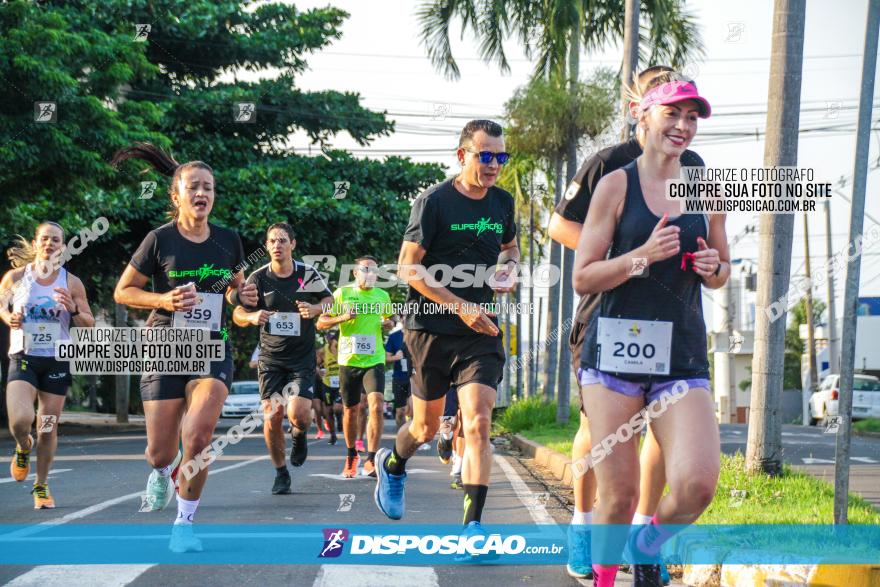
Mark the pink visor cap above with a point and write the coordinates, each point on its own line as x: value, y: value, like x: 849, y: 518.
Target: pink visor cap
x: 675, y: 91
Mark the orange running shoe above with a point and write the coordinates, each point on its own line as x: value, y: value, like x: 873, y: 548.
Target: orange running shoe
x: 21, y: 462
x: 351, y: 467
x: 369, y: 469
x: 42, y: 497
x: 320, y: 433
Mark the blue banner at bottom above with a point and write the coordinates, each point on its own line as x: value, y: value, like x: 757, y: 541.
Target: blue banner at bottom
x: 408, y: 544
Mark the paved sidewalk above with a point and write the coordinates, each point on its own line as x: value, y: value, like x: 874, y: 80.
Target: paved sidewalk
x: 864, y: 480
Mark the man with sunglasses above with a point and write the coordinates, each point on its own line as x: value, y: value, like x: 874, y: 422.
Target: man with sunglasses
x: 360, y: 309
x: 450, y: 331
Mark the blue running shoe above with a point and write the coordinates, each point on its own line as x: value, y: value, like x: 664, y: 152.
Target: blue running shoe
x: 579, y: 565
x: 389, y: 488
x: 475, y: 529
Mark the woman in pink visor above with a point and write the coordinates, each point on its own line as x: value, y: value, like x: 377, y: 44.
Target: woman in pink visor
x: 644, y: 357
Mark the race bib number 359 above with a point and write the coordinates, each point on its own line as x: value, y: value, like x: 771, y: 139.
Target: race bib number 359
x: 205, y: 314
x: 634, y: 346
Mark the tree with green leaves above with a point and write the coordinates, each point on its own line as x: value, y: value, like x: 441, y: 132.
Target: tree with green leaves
x: 168, y: 72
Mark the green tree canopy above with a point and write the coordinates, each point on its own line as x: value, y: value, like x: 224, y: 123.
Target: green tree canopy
x: 178, y: 88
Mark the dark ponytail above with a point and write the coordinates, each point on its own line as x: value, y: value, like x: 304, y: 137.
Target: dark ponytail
x: 161, y: 162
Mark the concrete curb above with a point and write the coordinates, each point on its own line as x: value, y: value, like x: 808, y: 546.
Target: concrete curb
x: 866, y: 434
x: 558, y: 463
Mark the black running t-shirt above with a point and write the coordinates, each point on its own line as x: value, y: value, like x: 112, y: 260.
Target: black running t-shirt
x: 457, y: 232
x: 280, y: 294
x: 172, y: 261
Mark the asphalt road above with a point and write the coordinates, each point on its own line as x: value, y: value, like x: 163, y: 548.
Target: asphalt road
x: 98, y: 479
x: 805, y: 445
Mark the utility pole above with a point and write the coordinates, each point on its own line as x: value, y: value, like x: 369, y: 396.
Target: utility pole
x: 833, y: 342
x: 853, y: 268
x: 550, y: 363
x: 122, y: 382
x: 725, y: 385
x: 811, y: 333
x: 630, y: 63
x: 530, y: 385
x: 764, y: 448
x: 537, y: 357
x: 563, y: 368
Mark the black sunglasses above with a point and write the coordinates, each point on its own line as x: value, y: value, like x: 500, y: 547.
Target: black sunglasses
x: 487, y: 156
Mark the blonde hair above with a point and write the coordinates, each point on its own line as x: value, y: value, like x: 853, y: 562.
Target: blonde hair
x: 650, y: 79
x: 23, y: 252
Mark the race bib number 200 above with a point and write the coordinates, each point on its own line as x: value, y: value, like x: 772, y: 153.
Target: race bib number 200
x: 634, y: 346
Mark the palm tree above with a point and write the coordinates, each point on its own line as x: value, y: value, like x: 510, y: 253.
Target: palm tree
x: 552, y: 33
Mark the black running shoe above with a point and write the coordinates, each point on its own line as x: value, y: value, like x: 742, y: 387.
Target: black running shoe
x: 282, y: 484
x: 646, y: 576
x: 332, y: 440
x: 300, y: 450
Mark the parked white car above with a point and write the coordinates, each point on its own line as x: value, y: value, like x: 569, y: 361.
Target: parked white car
x: 866, y: 398
x: 243, y: 399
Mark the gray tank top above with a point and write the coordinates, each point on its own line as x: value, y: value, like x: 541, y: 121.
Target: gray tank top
x: 669, y: 293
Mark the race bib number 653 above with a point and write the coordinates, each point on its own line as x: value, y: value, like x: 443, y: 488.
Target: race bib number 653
x: 634, y: 346
x: 284, y: 324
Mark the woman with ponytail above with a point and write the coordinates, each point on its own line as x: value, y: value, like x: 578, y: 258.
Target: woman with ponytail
x: 45, y: 301
x: 190, y: 260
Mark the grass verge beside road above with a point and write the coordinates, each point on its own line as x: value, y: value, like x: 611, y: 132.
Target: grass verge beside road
x: 869, y: 425
x: 791, y: 498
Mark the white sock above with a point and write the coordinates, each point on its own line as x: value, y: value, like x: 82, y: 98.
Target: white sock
x: 456, y: 464
x: 641, y: 519
x: 583, y: 518
x: 186, y: 510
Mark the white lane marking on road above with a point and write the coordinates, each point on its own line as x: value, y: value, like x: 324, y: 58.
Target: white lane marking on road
x: 33, y: 475
x: 535, y: 508
x: 868, y: 460
x: 109, y: 503
x: 104, y: 505
x: 92, y: 575
x: 375, y: 576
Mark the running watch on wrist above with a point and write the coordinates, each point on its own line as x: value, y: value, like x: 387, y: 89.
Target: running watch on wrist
x: 75, y: 311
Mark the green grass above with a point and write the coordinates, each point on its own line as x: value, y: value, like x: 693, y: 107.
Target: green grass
x: 869, y: 425
x: 536, y: 420
x: 792, y: 498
